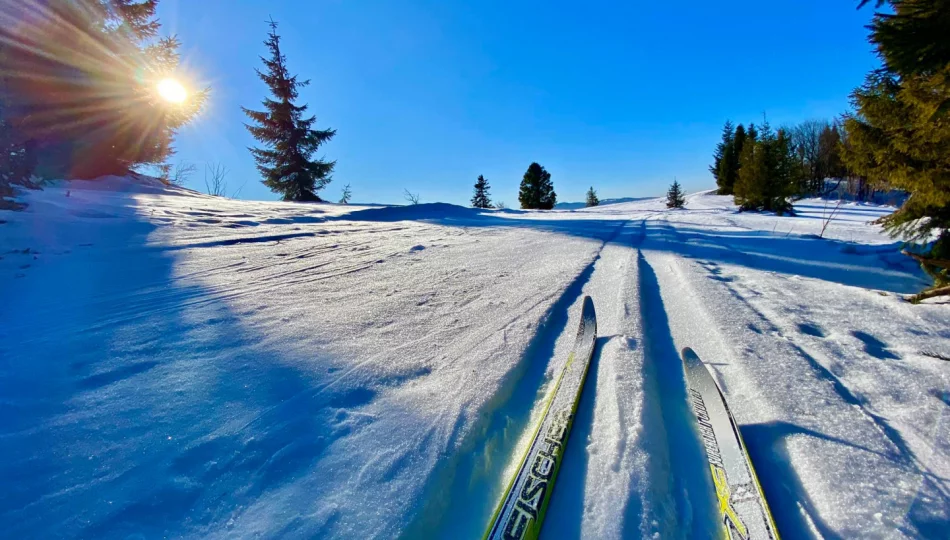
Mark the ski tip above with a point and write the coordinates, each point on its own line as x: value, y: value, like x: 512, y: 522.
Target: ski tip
x: 690, y: 356
x: 588, y: 313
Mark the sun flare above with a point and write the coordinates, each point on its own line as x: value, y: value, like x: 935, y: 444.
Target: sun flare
x: 172, y: 91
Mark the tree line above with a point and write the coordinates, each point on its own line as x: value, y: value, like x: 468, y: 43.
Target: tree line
x: 896, y: 137
x: 762, y: 168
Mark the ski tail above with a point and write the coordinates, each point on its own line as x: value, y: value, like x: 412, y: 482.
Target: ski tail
x: 521, y: 511
x: 743, y: 511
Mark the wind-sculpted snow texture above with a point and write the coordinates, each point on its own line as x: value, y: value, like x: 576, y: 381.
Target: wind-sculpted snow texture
x: 177, y: 365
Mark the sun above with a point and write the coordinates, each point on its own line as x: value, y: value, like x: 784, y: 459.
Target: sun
x: 172, y: 91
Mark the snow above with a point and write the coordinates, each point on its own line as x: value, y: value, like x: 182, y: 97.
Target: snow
x: 178, y: 365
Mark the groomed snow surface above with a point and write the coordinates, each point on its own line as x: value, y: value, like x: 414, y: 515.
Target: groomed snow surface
x: 177, y: 365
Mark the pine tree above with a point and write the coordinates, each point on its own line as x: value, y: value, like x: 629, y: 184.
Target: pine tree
x: 899, y: 135
x: 720, y: 166
x: 592, y: 199
x: 347, y: 194
x: 481, y: 198
x: 82, y: 79
x: 290, y: 141
x: 537, y: 190
x: 675, y: 197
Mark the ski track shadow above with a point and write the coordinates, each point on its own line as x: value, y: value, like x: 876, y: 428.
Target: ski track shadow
x: 789, y: 500
x: 565, y: 514
x: 787, y: 497
x: 460, y: 498
x: 665, y: 410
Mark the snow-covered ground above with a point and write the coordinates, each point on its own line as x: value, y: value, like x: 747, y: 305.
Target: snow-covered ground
x: 177, y: 365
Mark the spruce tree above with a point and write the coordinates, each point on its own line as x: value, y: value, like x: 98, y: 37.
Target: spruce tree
x: 783, y: 175
x: 592, y: 199
x: 767, y: 172
x: 732, y: 160
x: 675, y: 197
x: 899, y: 135
x: 749, y: 192
x: 481, y: 199
x: 537, y: 190
x: 346, y: 195
x: 720, y: 166
x: 82, y: 80
x: 290, y: 141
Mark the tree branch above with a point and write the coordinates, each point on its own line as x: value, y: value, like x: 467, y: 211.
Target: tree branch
x: 925, y: 260
x: 930, y: 293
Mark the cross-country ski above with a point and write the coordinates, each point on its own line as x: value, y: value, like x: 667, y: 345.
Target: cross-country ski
x: 521, y: 511
x: 741, y: 506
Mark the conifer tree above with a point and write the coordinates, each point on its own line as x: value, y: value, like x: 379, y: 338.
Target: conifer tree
x: 537, y: 190
x: 675, y: 197
x: 720, y: 166
x: 829, y: 152
x: 749, y: 190
x: 347, y: 195
x: 732, y: 161
x: 899, y: 135
x: 17, y: 156
x: 289, y: 138
x: 592, y: 199
x: 481, y: 199
x: 783, y: 175
x: 767, y: 171
x: 751, y: 133
x: 82, y: 85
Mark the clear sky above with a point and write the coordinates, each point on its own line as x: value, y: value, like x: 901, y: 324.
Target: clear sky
x: 428, y: 94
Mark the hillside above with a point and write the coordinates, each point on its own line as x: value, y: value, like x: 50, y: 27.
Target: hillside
x: 178, y: 365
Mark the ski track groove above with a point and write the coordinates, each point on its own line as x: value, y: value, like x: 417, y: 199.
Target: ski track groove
x: 676, y: 458
x: 537, y: 369
x: 899, y: 454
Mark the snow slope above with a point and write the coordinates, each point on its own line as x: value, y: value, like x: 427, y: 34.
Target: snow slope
x: 177, y: 365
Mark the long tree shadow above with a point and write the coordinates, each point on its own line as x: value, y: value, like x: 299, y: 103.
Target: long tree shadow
x: 787, y: 497
x: 792, y: 254
x: 129, y: 408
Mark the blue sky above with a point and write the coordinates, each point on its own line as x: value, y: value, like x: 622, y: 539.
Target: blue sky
x: 427, y: 95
